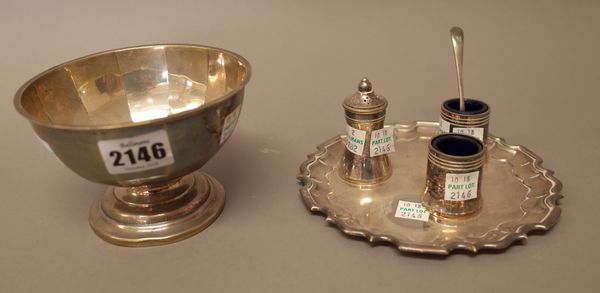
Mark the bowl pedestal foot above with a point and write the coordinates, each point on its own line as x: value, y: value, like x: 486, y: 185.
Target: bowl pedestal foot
x: 157, y: 214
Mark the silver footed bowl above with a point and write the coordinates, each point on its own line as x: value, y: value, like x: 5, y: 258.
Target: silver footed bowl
x: 142, y: 120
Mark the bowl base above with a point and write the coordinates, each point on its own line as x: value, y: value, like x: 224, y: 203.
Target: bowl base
x: 157, y: 214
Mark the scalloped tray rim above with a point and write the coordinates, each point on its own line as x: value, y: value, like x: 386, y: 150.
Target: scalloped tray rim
x: 551, y: 200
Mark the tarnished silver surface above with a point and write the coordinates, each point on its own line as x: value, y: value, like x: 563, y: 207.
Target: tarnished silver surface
x: 365, y: 110
x: 474, y: 121
x: 143, y: 120
x: 467, y: 156
x: 520, y: 196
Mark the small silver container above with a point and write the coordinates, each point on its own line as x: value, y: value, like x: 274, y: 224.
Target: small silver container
x: 454, y: 173
x: 474, y: 121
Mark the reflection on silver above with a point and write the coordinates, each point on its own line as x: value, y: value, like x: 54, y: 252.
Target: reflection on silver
x: 217, y: 76
x: 458, y: 38
x: 79, y: 105
x: 520, y: 196
x: 150, y: 94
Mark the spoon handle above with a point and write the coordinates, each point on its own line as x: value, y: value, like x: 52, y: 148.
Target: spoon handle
x: 457, y: 44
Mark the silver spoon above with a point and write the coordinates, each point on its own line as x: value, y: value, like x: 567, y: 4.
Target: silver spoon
x: 457, y: 44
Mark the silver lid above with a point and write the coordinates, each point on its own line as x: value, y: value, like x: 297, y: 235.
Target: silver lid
x: 365, y: 101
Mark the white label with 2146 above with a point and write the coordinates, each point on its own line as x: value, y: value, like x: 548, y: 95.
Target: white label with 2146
x: 138, y: 153
x: 382, y: 142
x: 412, y: 211
x: 461, y: 187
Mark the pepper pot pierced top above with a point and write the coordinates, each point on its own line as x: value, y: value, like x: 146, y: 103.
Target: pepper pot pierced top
x: 365, y: 159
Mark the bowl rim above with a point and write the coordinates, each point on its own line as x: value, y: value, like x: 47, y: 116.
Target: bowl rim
x: 34, y: 120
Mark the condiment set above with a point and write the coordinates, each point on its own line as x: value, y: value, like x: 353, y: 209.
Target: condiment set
x: 144, y: 119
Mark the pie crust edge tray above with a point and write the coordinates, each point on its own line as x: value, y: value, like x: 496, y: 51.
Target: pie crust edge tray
x: 499, y: 236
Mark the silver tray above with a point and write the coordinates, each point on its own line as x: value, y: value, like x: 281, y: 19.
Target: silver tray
x: 519, y: 196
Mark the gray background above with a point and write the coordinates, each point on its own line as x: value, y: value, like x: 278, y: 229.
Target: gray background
x: 535, y: 62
